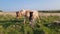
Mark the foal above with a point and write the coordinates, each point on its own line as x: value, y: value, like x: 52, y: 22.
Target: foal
x: 31, y: 15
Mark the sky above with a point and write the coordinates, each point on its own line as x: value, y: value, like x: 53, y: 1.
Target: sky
x: 15, y: 5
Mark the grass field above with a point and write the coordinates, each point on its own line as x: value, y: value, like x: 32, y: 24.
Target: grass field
x: 44, y: 25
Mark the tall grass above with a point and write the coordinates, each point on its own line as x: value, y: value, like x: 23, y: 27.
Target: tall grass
x: 44, y: 25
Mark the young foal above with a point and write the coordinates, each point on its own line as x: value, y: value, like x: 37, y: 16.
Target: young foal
x: 31, y: 15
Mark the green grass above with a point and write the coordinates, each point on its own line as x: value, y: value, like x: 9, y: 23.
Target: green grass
x: 44, y: 25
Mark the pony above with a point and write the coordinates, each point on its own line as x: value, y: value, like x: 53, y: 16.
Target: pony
x: 32, y: 15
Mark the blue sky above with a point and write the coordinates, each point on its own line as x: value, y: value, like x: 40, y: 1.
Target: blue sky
x: 14, y: 5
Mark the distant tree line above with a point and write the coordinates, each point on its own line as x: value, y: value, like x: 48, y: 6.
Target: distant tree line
x: 57, y: 11
x: 1, y: 11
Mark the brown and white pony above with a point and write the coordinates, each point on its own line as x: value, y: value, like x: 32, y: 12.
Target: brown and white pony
x: 32, y: 15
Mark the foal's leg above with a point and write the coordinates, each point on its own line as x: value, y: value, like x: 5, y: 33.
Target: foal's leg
x: 32, y: 23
